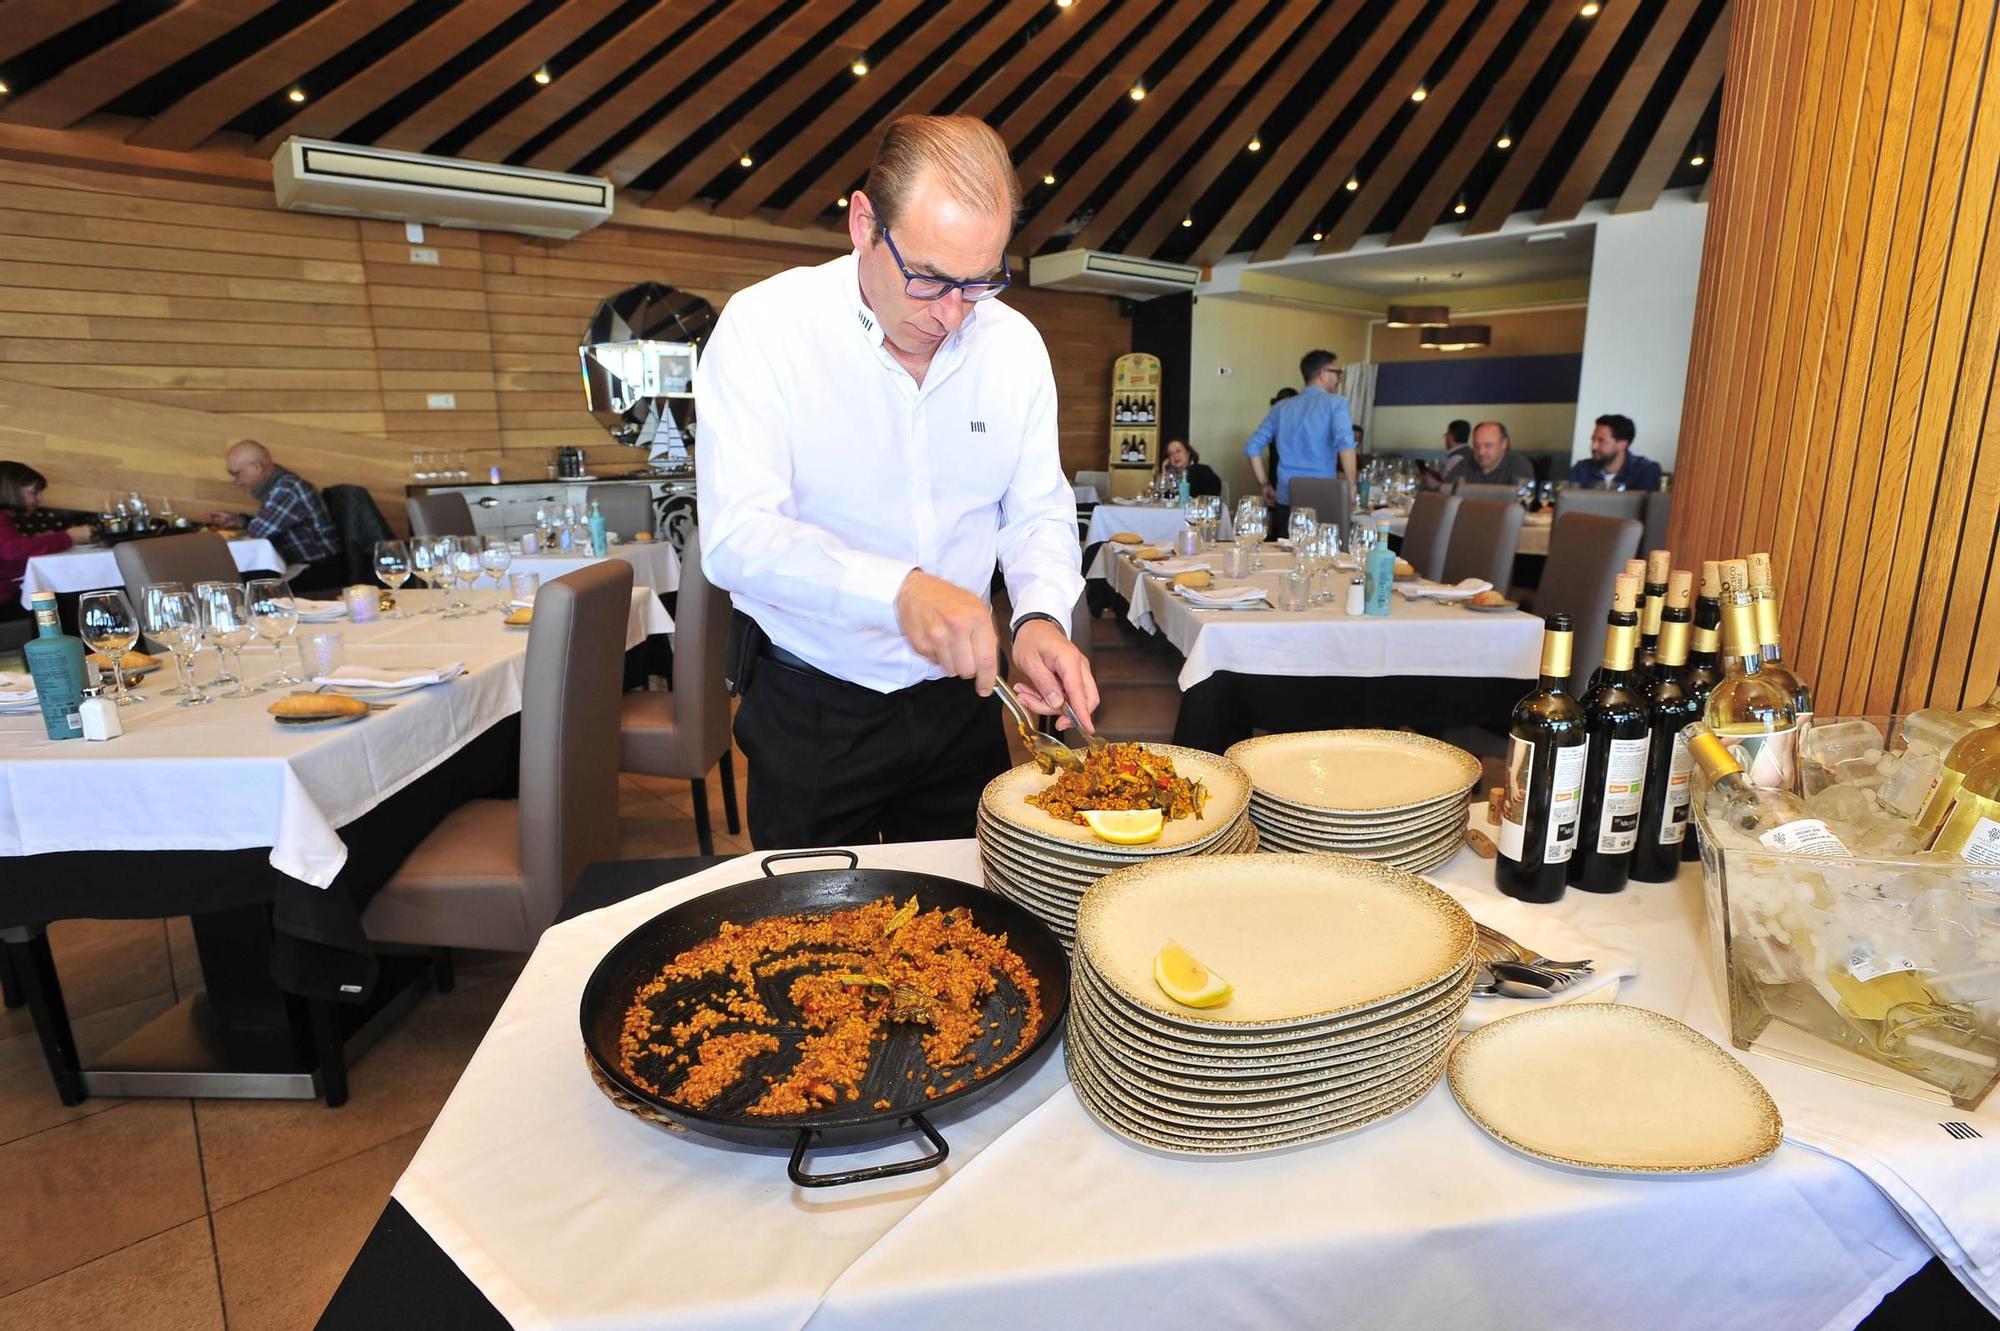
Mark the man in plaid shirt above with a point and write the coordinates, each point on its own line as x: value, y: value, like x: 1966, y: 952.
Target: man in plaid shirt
x: 290, y: 514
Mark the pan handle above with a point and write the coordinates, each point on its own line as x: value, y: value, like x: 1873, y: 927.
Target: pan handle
x: 931, y: 1161
x: 853, y: 860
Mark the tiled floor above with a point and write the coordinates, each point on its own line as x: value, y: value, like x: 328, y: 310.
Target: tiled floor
x: 173, y: 1214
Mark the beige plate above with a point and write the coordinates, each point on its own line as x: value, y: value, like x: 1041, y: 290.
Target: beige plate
x: 1081, y: 871
x: 1380, y: 848
x: 1305, y: 939
x: 1414, y: 858
x: 1006, y: 795
x: 1498, y: 607
x: 1357, y: 824
x: 1356, y: 770
x: 1232, y: 1144
x: 1619, y: 1090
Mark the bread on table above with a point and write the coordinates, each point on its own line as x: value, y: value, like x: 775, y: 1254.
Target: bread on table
x: 132, y: 660
x: 520, y: 618
x: 1149, y: 552
x: 1489, y: 598
x: 1197, y: 578
x: 1127, y: 538
x: 316, y: 706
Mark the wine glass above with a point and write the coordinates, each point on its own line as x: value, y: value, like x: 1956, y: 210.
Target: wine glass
x: 496, y: 556
x: 173, y: 619
x: 423, y: 563
x: 147, y: 597
x: 392, y: 570
x: 467, y: 562
x: 225, y: 609
x: 222, y: 675
x: 110, y: 628
x: 274, y: 614
x: 443, y: 573
x: 1304, y: 524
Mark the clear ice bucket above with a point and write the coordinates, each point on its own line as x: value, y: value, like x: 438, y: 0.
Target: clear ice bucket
x: 1883, y: 968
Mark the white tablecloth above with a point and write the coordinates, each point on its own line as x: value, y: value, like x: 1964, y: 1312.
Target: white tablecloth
x: 1157, y: 524
x: 1416, y: 638
x: 91, y: 567
x: 226, y: 776
x: 1534, y: 539
x: 654, y: 564
x: 566, y: 1212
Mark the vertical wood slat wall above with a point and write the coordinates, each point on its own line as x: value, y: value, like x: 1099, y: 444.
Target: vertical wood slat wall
x: 1843, y: 405
x: 146, y: 322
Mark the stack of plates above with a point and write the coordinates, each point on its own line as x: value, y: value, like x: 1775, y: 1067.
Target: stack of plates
x: 1380, y: 794
x: 1349, y: 979
x: 1044, y: 864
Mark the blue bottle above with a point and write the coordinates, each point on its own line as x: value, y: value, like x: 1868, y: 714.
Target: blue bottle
x: 600, y: 542
x: 55, y: 660
x: 1379, y: 573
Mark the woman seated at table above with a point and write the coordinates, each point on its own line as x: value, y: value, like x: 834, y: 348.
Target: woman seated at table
x: 1181, y: 459
x: 21, y: 489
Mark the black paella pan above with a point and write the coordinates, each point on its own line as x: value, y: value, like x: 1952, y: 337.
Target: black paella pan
x: 639, y: 957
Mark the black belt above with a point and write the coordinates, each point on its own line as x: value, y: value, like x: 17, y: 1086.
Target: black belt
x: 793, y: 661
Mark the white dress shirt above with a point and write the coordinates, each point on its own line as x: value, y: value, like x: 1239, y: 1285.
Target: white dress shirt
x: 826, y: 472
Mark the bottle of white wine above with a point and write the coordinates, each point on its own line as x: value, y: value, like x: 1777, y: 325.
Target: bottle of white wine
x: 1670, y: 705
x: 1967, y: 753
x: 1614, y: 779
x: 1752, y: 714
x: 1777, y: 818
x: 1766, y: 591
x: 1658, y: 564
x: 1546, y: 751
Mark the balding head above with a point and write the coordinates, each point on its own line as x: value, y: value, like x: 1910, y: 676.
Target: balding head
x: 249, y: 463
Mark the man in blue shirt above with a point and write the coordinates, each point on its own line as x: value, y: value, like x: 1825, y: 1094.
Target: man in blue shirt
x: 1612, y: 465
x: 1313, y: 432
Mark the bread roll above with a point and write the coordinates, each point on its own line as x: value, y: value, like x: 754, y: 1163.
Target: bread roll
x: 1127, y: 538
x: 1149, y: 552
x: 133, y: 660
x: 520, y: 618
x: 316, y: 706
x: 1196, y: 578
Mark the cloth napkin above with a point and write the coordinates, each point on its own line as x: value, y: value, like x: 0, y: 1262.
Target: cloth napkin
x: 312, y: 612
x: 1465, y: 590
x: 1552, y: 938
x: 1219, y: 597
x: 393, y: 677
x: 1166, y: 568
x: 16, y: 688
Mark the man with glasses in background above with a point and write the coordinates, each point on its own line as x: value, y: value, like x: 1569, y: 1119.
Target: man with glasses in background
x: 875, y: 433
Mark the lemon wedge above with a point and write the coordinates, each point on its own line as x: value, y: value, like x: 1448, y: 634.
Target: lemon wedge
x: 1186, y: 980
x: 1126, y: 827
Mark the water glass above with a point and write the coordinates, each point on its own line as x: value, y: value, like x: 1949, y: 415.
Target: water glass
x: 274, y: 614
x: 523, y: 587
x: 225, y: 610
x: 1295, y: 588
x: 392, y: 570
x: 322, y: 652
x: 1188, y: 542
x: 109, y: 627
x: 173, y: 619
x: 1240, y: 560
x: 496, y: 556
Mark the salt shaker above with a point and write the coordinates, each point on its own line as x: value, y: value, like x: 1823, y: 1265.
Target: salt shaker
x: 1357, y: 596
x: 99, y: 716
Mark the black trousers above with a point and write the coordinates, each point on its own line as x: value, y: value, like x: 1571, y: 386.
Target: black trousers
x: 832, y: 763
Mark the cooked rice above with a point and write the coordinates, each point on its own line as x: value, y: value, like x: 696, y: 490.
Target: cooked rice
x: 1122, y: 776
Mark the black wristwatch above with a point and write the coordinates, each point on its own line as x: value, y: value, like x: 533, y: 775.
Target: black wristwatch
x: 1033, y: 615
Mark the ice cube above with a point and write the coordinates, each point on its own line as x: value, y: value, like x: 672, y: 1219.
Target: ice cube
x: 1849, y: 804
x: 1910, y: 783
x: 1832, y: 743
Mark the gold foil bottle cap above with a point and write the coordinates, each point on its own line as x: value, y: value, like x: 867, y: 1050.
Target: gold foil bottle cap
x: 1625, y: 593
x: 1711, y: 579
x: 1680, y: 590
x: 1658, y: 565
x: 1735, y: 577
x: 1760, y: 573
x: 1635, y: 568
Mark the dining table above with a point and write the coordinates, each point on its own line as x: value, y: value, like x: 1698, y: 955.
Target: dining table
x: 1155, y: 524
x: 89, y: 568
x: 271, y: 837
x: 655, y: 566
x: 1533, y: 540
x: 562, y: 1209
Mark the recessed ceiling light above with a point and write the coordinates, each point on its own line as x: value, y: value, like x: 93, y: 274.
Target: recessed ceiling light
x: 1319, y: 235
x: 1048, y: 178
x: 859, y: 67
x: 4, y: 89
x: 1420, y: 93
x: 542, y: 74
x: 1064, y: 4
x: 1505, y: 141
x: 1458, y: 209
x: 745, y: 162
x: 1353, y: 183
x: 296, y: 95
x: 1138, y: 94
x: 1187, y: 221
x: 1256, y: 144
x: 1590, y: 9
x: 842, y: 200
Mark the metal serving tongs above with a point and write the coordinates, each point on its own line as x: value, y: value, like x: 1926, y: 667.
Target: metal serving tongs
x: 1049, y: 752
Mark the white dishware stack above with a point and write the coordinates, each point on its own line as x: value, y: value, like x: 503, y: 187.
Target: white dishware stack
x: 1347, y: 982
x: 1378, y: 794
x: 1045, y: 864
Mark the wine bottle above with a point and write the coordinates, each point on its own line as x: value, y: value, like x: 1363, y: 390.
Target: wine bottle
x: 1670, y: 706
x: 1614, y: 779
x: 1627, y: 617
x: 55, y: 661
x: 1969, y: 753
x: 1703, y: 671
x: 1766, y: 592
x: 1546, y: 755
x: 1658, y: 563
x: 1777, y: 818
x: 1936, y: 729
x: 1752, y: 714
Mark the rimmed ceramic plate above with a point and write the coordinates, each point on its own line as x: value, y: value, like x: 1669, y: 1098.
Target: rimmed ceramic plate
x: 1227, y: 1095
x: 1613, y: 1089
x: 372, y: 693
x: 1357, y: 824
x: 1497, y: 608
x: 320, y: 722
x: 1356, y: 770
x: 1005, y: 798
x: 1305, y: 939
x: 1389, y: 843
x: 1077, y: 864
x: 1415, y: 857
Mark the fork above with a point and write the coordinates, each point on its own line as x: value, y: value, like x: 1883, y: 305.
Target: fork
x: 1049, y: 752
x: 1507, y: 979
x: 1526, y: 956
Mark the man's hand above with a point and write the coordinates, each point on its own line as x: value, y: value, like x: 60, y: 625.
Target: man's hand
x: 218, y: 518
x: 1270, y: 494
x: 79, y: 535
x: 1053, y: 669
x: 949, y: 627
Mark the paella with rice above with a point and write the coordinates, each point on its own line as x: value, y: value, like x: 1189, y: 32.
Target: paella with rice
x: 1122, y: 777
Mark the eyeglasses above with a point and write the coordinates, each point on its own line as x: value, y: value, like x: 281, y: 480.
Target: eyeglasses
x: 924, y: 286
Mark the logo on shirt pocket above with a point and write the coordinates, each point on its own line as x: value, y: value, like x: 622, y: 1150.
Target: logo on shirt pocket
x: 979, y: 427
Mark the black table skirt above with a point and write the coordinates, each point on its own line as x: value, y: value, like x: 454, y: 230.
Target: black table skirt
x: 1229, y: 706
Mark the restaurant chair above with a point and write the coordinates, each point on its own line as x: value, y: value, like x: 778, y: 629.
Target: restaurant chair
x: 1603, y: 503
x: 441, y: 515
x: 1479, y: 490
x: 493, y: 874
x: 197, y: 556
x: 682, y: 734
x: 1326, y: 496
x: 1429, y: 533
x: 1127, y: 711
x: 1587, y: 552
x: 1659, y: 515
x: 628, y: 509
x: 359, y: 523
x: 1098, y: 480
x: 1483, y: 537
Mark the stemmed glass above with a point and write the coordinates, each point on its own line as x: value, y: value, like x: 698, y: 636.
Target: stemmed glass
x: 148, y: 596
x: 110, y: 628
x: 173, y: 618
x: 467, y: 562
x: 222, y: 675
x: 496, y: 556
x: 443, y: 573
x: 274, y: 613
x: 1303, y: 526
x: 392, y: 570
x: 423, y: 563
x: 225, y: 612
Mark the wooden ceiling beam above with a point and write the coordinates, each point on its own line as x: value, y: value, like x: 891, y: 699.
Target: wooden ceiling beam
x: 1634, y: 84
x: 116, y: 68
x: 1430, y: 125
x: 25, y: 24
x: 1144, y: 117
x: 924, y: 99
x: 1532, y: 149
x: 263, y: 73
x: 1683, y: 116
x: 1281, y: 160
x: 514, y: 63
x: 327, y: 113
x: 1053, y: 85
x: 1479, y: 133
x: 730, y: 141
x: 986, y: 98
x: 1317, y: 198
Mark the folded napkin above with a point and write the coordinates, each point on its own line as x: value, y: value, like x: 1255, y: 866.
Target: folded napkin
x: 1420, y: 590
x: 1166, y: 568
x: 16, y: 688
x: 391, y: 677
x: 1216, y: 598
x: 313, y: 612
x: 1127, y: 499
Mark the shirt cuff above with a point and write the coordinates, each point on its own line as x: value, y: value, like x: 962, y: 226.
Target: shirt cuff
x: 869, y: 585
x: 1048, y: 601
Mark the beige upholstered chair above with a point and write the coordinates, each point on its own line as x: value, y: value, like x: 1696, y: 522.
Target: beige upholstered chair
x: 1483, y: 537
x: 1481, y: 490
x: 1604, y: 503
x: 494, y: 873
x: 683, y: 734
x: 198, y: 556
x: 441, y: 515
x: 1586, y: 553
x: 628, y: 509
x: 1326, y: 496
x: 1429, y: 533
x: 1659, y: 515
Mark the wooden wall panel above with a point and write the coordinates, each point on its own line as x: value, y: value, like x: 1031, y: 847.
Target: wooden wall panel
x: 1845, y: 375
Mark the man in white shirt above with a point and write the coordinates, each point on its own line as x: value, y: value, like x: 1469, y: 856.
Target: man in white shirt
x: 875, y: 433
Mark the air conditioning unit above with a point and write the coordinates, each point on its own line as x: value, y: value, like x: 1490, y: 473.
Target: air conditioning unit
x: 1111, y: 274
x: 315, y: 176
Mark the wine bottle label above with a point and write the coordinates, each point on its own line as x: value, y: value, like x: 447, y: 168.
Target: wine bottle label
x: 1566, y: 802
x: 1707, y: 640
x: 1674, y: 814
x: 1770, y: 760
x: 1514, y: 798
x: 1624, y: 791
x: 1983, y: 846
x: 1864, y: 963
x: 1804, y: 836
